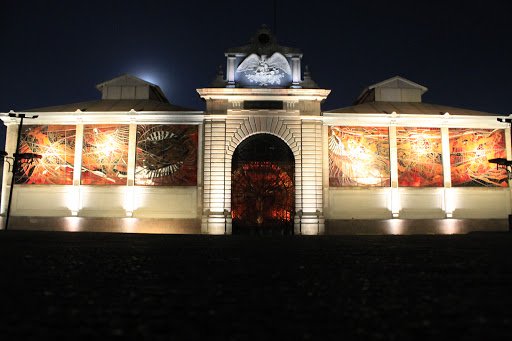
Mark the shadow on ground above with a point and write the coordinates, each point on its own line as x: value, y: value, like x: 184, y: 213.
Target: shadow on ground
x: 156, y: 287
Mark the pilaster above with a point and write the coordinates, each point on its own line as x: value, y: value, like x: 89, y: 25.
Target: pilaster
x: 393, y: 161
x: 296, y: 76
x: 129, y: 198
x: 77, y: 169
x: 447, y: 173
x: 216, y: 215
x: 230, y: 71
x: 310, y: 212
x: 10, y: 146
x: 325, y: 165
x: 508, y: 146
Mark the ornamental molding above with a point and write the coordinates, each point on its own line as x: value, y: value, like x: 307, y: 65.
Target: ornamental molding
x: 249, y: 126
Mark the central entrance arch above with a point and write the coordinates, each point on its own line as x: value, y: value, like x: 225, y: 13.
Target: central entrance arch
x: 262, y: 186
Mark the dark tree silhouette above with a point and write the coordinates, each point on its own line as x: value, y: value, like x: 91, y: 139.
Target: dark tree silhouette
x: 262, y: 194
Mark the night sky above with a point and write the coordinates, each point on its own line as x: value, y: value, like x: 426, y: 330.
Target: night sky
x: 55, y: 52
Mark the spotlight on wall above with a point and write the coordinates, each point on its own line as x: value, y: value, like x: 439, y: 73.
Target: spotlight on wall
x: 504, y: 120
x: 505, y: 164
x: 17, y: 159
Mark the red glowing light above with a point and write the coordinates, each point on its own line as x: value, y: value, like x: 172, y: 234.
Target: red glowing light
x: 263, y: 193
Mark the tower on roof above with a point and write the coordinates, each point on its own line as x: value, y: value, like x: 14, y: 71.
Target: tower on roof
x: 395, y: 89
x: 130, y: 87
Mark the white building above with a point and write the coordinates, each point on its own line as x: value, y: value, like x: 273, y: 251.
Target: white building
x: 262, y: 156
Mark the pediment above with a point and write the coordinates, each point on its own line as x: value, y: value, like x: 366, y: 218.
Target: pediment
x: 398, y: 82
x: 124, y: 80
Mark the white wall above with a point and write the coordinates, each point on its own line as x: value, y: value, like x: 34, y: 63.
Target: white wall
x: 358, y: 203
x: 42, y: 200
x: 166, y: 202
x: 421, y: 203
x: 105, y: 201
x: 418, y: 203
x: 483, y: 203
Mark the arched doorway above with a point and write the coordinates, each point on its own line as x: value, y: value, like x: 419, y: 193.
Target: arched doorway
x: 262, y: 186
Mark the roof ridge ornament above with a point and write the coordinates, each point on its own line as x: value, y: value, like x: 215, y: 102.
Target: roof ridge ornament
x: 219, y: 80
x: 308, y: 82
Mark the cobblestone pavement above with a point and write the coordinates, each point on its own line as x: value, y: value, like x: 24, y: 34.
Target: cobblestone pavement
x: 162, y: 287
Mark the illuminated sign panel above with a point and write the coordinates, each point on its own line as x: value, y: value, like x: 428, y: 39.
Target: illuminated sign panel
x: 420, y: 161
x: 359, y: 156
x: 470, y: 150
x: 105, y: 155
x: 166, y: 155
x: 56, y: 145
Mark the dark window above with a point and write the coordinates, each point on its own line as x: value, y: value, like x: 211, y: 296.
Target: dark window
x: 263, y: 105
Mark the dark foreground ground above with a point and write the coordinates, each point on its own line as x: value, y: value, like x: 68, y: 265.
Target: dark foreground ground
x: 153, y: 287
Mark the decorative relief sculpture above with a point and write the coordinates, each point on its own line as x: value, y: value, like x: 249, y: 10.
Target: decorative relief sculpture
x: 264, y: 72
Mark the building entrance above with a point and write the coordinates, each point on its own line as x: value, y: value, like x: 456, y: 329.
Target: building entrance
x: 262, y: 187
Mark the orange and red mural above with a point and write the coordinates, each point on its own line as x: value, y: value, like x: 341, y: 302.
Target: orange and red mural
x: 105, y: 154
x: 470, y: 150
x: 359, y: 156
x: 419, y: 153
x: 56, y: 146
x: 166, y: 155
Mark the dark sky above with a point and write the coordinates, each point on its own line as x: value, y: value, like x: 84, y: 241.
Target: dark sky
x: 54, y: 52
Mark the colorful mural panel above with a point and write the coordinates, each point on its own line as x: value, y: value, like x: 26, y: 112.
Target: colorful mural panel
x: 359, y: 156
x: 56, y: 146
x: 166, y: 155
x: 470, y: 150
x: 105, y: 155
x: 420, y: 161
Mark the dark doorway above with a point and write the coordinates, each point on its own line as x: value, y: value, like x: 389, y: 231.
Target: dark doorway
x: 262, y: 186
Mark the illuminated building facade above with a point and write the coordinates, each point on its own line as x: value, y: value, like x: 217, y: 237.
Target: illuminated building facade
x: 262, y: 156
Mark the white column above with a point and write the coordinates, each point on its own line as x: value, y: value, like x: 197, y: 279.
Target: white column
x: 216, y: 216
x: 311, y: 219
x: 129, y: 192
x: 508, y: 143
x: 77, y: 169
x: 325, y: 165
x: 230, y: 71
x: 10, y: 146
x: 296, y: 72
x: 393, y: 165
x: 447, y: 173
x: 319, y: 148
x: 200, y: 169
x: 508, y: 146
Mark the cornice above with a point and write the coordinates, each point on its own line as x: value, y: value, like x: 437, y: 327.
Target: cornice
x: 237, y: 94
